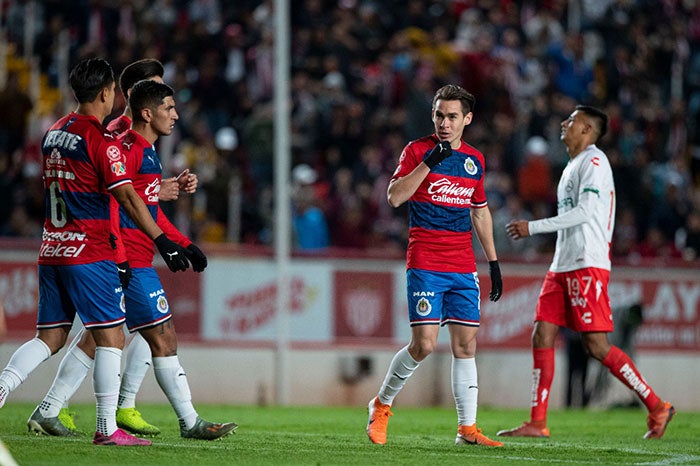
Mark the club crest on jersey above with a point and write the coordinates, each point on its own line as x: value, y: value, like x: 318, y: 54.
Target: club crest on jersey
x: 113, y: 153
x: 162, y: 304
x: 118, y: 168
x: 470, y: 166
x: 423, y: 307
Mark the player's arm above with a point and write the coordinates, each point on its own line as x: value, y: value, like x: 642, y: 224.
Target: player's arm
x: 578, y: 215
x: 483, y: 225
x: 115, y: 239
x: 171, y: 230
x: 136, y: 209
x: 115, y: 236
x: 588, y: 196
x: 173, y: 254
x: 401, y: 189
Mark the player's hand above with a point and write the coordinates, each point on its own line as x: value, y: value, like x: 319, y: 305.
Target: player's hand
x: 196, y: 257
x: 439, y: 153
x: 518, y: 229
x: 124, y: 270
x: 173, y: 254
x: 187, y: 181
x: 169, y: 189
x: 496, y: 281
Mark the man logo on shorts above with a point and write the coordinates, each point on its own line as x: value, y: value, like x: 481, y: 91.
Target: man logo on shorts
x: 423, y: 307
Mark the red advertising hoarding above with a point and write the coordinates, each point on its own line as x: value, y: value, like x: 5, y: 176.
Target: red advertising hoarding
x: 363, y: 304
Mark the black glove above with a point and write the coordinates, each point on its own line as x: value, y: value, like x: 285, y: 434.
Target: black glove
x: 124, y: 270
x: 174, y: 255
x: 196, y: 257
x: 439, y: 153
x: 496, y: 281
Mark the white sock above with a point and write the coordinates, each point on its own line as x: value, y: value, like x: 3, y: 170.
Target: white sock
x: 138, y: 360
x: 401, y: 368
x: 173, y: 381
x: 465, y: 390
x: 22, y: 363
x: 71, y: 372
x: 82, y: 356
x: 105, y: 380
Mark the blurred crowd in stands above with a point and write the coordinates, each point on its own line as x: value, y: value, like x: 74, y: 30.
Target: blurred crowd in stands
x: 362, y: 79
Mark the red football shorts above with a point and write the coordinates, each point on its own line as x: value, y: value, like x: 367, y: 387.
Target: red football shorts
x: 578, y: 300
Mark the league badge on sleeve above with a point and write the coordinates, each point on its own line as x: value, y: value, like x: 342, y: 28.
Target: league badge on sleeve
x: 118, y: 168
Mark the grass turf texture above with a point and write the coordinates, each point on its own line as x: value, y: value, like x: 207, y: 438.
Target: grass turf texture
x: 318, y: 435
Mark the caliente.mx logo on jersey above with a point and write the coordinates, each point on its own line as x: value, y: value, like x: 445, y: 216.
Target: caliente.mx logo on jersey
x: 449, y: 192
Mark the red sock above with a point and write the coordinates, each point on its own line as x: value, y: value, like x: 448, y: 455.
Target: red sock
x: 542, y: 376
x: 622, y: 367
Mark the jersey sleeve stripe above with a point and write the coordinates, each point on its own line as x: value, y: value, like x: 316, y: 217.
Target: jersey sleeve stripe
x: 119, y: 183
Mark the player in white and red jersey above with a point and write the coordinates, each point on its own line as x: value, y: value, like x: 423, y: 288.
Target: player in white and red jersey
x: 575, y: 289
x: 77, y: 361
x: 442, y: 179
x: 82, y: 166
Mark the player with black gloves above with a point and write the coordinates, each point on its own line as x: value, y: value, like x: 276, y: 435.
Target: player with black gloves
x: 442, y: 179
x: 147, y: 308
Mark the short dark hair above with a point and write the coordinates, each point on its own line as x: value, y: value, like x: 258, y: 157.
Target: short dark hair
x: 146, y: 68
x: 454, y: 92
x: 89, y: 77
x: 598, y: 116
x: 147, y: 94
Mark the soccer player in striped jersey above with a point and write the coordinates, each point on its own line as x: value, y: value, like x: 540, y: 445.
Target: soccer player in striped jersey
x: 147, y: 308
x: 575, y: 289
x: 78, y: 359
x: 83, y: 168
x: 442, y: 179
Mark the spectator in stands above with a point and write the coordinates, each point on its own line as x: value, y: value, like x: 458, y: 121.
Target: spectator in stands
x: 309, y: 222
x: 16, y: 106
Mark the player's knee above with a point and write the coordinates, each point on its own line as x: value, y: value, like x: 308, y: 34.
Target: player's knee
x: 420, y: 349
x: 54, y: 339
x: 161, y: 345
x: 597, y: 350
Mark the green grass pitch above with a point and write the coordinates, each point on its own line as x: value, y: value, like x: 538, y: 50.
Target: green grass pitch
x: 321, y: 435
